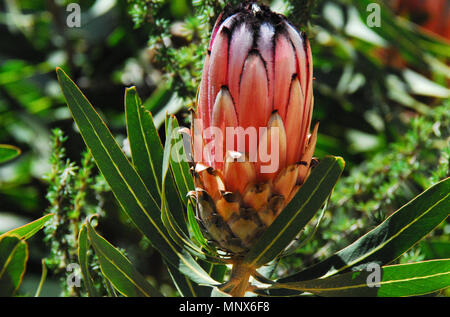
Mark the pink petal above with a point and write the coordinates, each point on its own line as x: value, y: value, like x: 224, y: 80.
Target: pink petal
x: 217, y: 68
x: 293, y: 122
x: 253, y: 108
x: 202, y: 100
x: 271, y: 149
x: 197, y: 139
x: 265, y: 47
x: 285, y: 67
x: 218, y: 25
x: 302, y: 63
x: 224, y: 115
x: 240, y: 45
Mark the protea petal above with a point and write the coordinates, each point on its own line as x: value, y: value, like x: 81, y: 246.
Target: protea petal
x: 286, y: 180
x: 240, y: 46
x: 197, y: 139
x: 218, y: 62
x: 238, y: 172
x: 202, y: 99
x: 294, y: 133
x: 271, y: 149
x: 300, y: 52
x: 224, y: 115
x: 210, y: 180
x: 305, y: 162
x: 253, y: 94
x: 257, y: 195
x: 226, y: 207
x: 285, y: 67
x: 308, y: 97
x: 266, y: 49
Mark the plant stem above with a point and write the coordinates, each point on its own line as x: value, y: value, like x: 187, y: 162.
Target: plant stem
x: 239, y: 280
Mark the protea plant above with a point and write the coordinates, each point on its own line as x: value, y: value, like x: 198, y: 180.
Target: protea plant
x: 250, y: 134
x: 253, y: 180
x: 251, y: 143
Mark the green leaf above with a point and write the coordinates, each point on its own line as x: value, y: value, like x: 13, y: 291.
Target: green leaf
x: 179, y: 161
x: 388, y: 281
x: 8, y: 152
x: 145, y: 145
x: 193, y: 224
x: 185, y: 286
x: 83, y: 247
x: 28, y: 230
x: 172, y: 206
x: 129, y: 189
x: 13, y: 259
x: 118, y: 269
x: 398, y: 233
x: 297, y: 213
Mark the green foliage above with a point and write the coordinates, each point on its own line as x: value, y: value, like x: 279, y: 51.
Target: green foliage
x: 379, y: 93
x: 8, y: 152
x: 380, y: 246
x: 72, y: 198
x: 397, y: 281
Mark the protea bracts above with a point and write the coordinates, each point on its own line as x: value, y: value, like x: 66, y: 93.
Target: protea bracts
x: 250, y: 134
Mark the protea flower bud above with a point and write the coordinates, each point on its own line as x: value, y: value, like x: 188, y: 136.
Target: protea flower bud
x: 250, y: 134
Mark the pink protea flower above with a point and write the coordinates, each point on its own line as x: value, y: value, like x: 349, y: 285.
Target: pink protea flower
x: 250, y: 134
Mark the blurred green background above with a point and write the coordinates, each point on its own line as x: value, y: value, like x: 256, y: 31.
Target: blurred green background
x: 381, y: 95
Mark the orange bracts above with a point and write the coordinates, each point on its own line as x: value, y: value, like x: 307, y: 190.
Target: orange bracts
x: 250, y: 134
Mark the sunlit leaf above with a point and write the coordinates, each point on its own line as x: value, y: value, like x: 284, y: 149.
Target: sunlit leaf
x: 391, y: 238
x: 8, y: 152
x: 129, y: 189
x: 28, y: 230
x: 389, y: 281
x: 118, y: 269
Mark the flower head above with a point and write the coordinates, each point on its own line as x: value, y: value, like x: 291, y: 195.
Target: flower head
x: 250, y: 134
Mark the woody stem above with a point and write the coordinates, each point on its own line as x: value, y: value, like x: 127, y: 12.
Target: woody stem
x: 239, y: 279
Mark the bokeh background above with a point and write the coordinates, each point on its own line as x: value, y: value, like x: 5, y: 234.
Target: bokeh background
x: 381, y: 95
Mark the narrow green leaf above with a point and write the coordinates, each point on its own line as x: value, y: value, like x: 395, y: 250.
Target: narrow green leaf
x: 13, y: 259
x: 297, y: 213
x: 129, y: 189
x: 186, y: 287
x: 389, y: 281
x: 83, y: 247
x: 398, y: 233
x: 172, y: 206
x: 179, y: 162
x: 118, y: 269
x: 124, y: 181
x: 28, y: 230
x: 8, y: 152
x: 193, y: 224
x: 143, y: 153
